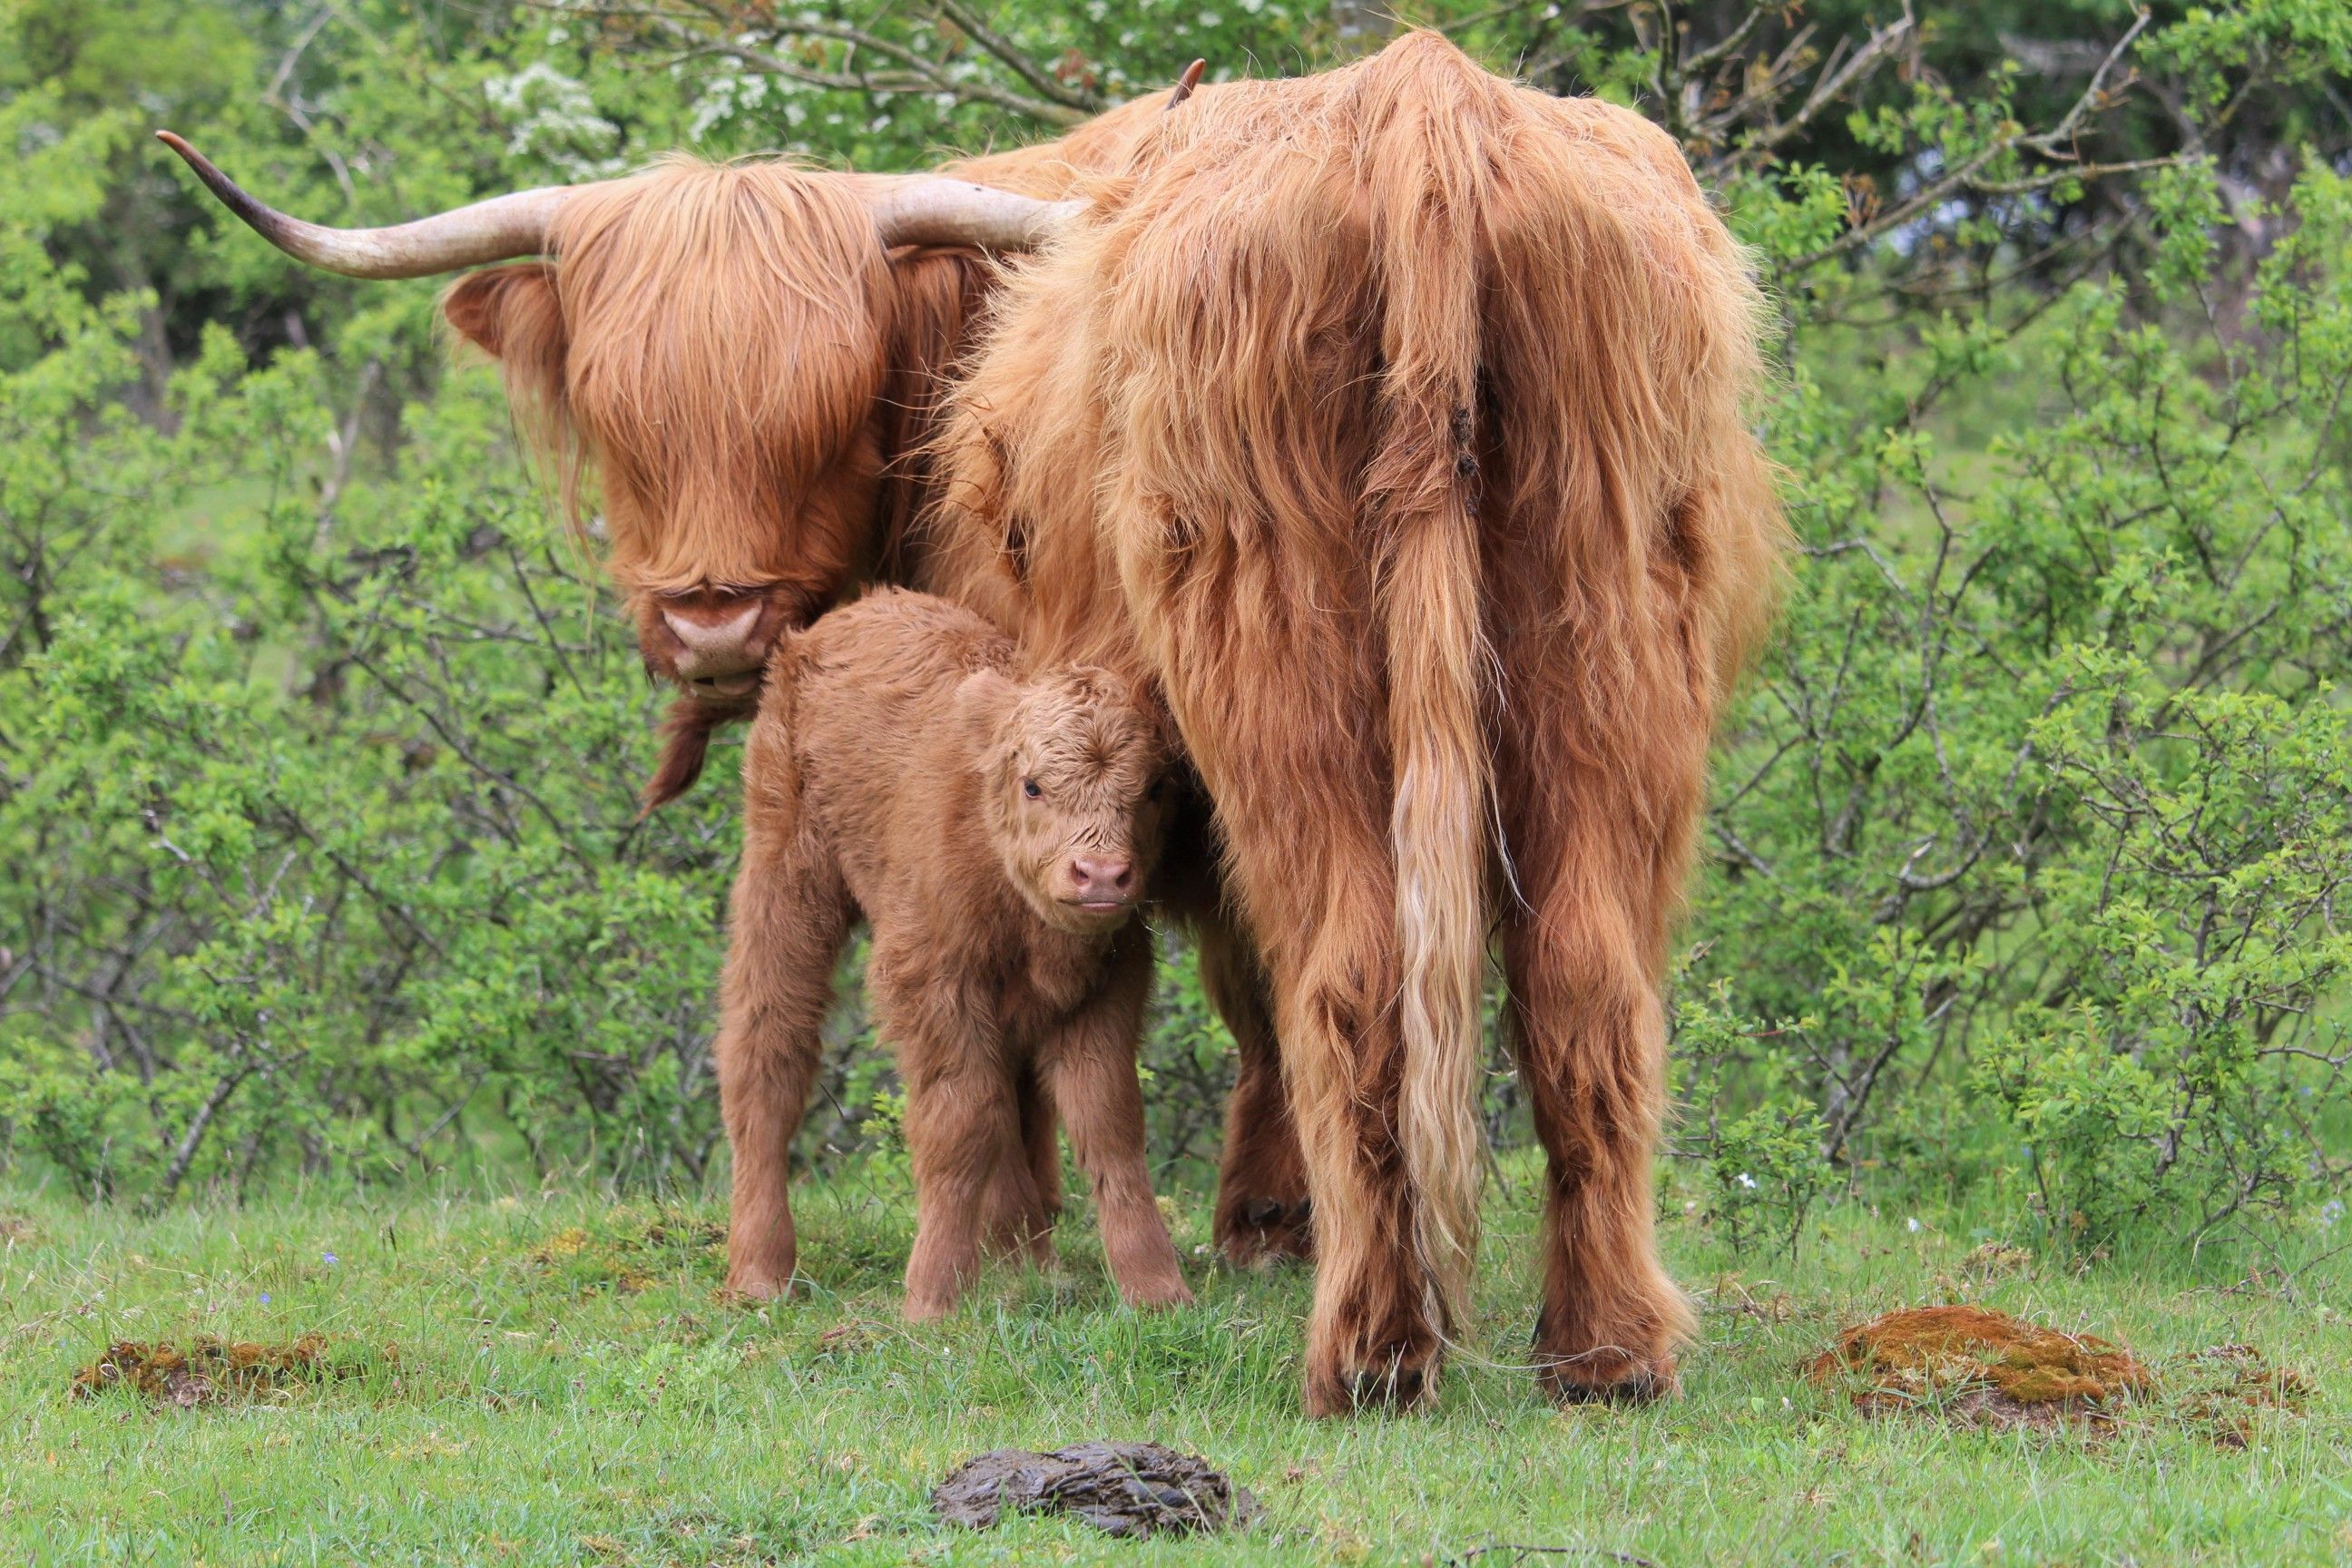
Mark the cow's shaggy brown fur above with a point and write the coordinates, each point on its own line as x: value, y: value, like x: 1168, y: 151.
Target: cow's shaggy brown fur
x: 996, y: 835
x: 1391, y: 421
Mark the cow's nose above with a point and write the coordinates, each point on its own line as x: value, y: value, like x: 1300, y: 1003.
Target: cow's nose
x: 1104, y: 879
x: 709, y: 649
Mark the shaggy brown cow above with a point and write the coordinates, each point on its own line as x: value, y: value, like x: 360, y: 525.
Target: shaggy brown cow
x: 996, y: 834
x: 750, y: 370
x: 1391, y: 421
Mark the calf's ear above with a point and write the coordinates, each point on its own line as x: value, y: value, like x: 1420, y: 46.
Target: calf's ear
x: 511, y: 313
x: 982, y: 700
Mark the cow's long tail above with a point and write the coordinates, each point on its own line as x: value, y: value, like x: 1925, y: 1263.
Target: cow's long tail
x: 1421, y: 499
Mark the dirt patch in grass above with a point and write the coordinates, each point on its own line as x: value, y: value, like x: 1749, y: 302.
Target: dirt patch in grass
x: 1980, y: 1367
x: 630, y: 1249
x: 216, y: 1372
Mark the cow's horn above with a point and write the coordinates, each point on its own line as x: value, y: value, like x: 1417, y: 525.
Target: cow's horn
x: 492, y: 230
x: 929, y: 209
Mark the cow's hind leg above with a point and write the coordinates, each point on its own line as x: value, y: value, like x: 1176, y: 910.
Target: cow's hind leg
x: 1595, y: 833
x: 1304, y: 810
x: 1263, y: 1214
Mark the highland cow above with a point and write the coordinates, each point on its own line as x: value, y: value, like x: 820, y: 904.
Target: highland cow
x: 750, y: 355
x: 996, y: 835
x: 1392, y: 425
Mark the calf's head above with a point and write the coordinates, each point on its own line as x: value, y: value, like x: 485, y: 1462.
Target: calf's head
x: 716, y: 342
x: 1074, y: 791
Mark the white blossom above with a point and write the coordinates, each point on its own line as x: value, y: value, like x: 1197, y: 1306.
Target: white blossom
x: 552, y: 118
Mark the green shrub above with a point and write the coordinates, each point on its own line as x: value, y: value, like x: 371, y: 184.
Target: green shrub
x: 319, y: 741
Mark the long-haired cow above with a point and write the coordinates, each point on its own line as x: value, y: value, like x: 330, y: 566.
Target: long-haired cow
x: 749, y: 356
x: 1390, y: 423
x: 1391, y: 420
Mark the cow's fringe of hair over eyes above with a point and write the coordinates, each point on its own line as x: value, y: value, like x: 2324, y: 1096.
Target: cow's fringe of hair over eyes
x: 1394, y: 421
x: 714, y: 339
x: 711, y: 339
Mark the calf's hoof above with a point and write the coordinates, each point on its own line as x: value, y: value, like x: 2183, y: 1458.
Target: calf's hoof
x: 752, y: 1286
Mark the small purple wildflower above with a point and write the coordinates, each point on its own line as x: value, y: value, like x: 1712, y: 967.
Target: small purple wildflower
x: 332, y: 1260
x: 265, y: 1298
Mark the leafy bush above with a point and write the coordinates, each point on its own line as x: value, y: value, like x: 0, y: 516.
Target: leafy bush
x: 319, y: 740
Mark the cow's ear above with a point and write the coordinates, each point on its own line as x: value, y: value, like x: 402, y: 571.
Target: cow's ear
x: 507, y: 311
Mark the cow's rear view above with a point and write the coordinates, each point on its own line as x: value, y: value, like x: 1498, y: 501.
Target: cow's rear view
x: 1392, y: 421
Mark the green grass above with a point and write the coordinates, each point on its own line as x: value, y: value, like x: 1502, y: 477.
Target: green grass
x: 564, y: 1387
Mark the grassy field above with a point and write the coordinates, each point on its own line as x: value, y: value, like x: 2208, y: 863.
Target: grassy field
x: 548, y: 1378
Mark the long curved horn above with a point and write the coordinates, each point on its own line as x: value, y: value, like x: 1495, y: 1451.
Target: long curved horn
x: 491, y: 230
x: 930, y: 209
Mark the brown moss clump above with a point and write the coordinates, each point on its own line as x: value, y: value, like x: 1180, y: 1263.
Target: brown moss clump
x: 211, y: 1371
x: 1974, y: 1364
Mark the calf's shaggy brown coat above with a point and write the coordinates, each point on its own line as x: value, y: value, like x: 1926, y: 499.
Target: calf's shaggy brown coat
x: 996, y: 835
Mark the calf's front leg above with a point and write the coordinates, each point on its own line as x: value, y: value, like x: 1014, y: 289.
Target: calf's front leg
x: 1089, y: 1061
x: 963, y: 1125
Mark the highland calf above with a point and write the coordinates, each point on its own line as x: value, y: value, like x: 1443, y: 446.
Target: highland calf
x: 996, y: 835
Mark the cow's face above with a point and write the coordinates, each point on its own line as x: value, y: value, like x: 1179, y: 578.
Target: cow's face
x: 1074, y: 773
x: 709, y: 341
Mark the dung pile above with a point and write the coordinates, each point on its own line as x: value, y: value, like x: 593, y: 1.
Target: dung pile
x: 2221, y: 1390
x: 1978, y: 1366
x: 1121, y: 1488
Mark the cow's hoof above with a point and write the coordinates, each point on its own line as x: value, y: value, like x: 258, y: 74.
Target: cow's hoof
x: 1606, y: 1376
x: 1262, y: 1233
x: 1403, y: 1379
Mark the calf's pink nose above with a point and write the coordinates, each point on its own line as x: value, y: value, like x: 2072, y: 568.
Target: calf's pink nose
x: 1103, y: 878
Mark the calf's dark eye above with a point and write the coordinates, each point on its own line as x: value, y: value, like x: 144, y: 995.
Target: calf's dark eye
x: 1029, y: 787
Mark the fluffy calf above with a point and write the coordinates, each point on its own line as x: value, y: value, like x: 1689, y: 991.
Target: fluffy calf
x: 996, y: 835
